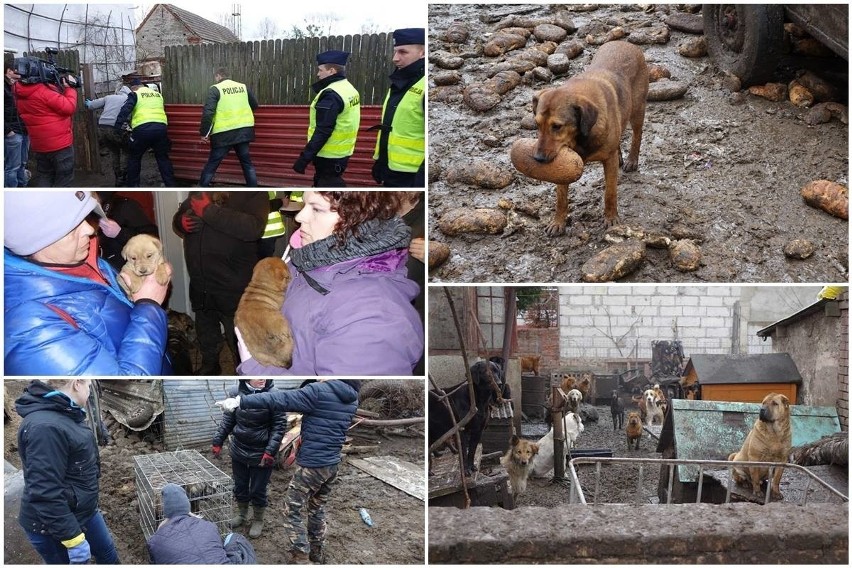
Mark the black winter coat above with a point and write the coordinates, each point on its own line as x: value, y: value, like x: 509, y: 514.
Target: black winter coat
x: 11, y: 118
x: 221, y: 256
x: 61, y: 463
x: 253, y: 431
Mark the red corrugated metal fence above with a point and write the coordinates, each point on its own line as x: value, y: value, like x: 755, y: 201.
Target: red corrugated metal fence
x: 280, y: 134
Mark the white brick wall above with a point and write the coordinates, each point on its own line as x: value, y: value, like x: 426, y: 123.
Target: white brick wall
x: 702, y: 316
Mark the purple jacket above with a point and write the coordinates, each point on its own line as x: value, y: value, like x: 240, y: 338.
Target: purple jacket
x: 365, y: 325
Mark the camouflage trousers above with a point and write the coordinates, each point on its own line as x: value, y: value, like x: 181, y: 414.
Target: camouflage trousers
x: 307, y: 494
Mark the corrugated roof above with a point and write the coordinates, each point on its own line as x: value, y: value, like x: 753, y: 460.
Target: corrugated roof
x: 191, y: 417
x: 801, y: 314
x: 727, y: 369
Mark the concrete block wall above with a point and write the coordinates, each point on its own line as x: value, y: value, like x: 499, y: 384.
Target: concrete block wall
x: 612, y: 322
x: 605, y: 322
x: 843, y: 371
x: 161, y: 29
x: 744, y: 533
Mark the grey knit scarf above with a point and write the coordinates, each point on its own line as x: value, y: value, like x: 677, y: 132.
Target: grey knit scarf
x: 374, y: 237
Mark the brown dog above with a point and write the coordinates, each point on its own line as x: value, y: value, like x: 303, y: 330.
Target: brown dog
x: 769, y: 440
x: 588, y: 114
x: 634, y: 429
x: 263, y: 327
x: 518, y: 462
x: 143, y: 255
x: 530, y: 364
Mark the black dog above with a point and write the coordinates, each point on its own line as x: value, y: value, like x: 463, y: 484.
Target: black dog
x: 617, y: 409
x: 440, y: 421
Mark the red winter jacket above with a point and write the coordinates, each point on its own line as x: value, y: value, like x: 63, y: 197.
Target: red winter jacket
x: 47, y: 114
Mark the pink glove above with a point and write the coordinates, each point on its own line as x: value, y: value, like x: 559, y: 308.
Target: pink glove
x: 110, y: 228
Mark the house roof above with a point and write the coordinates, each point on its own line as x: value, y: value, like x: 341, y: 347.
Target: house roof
x: 727, y: 369
x: 201, y: 27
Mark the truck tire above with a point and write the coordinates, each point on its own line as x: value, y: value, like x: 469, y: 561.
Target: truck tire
x: 745, y: 39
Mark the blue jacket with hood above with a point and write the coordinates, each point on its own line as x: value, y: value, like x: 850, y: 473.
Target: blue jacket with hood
x: 327, y: 409
x: 58, y: 324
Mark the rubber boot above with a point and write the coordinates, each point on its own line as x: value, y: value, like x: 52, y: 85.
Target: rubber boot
x: 257, y: 522
x: 317, y: 556
x: 242, y: 515
x: 299, y: 557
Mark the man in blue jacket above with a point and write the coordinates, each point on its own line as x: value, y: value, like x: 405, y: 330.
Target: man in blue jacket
x: 65, y: 313
x: 327, y: 408
x: 184, y: 538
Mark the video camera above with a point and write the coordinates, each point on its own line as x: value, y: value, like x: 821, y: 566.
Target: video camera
x: 36, y: 70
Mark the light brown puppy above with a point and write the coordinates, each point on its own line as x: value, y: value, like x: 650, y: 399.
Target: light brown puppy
x: 265, y: 330
x: 530, y: 364
x: 144, y: 256
x: 769, y: 440
x: 518, y: 462
x: 634, y: 430
x: 588, y: 114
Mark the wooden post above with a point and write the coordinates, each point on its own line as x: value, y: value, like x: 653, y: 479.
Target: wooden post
x: 558, y: 435
x: 92, y: 156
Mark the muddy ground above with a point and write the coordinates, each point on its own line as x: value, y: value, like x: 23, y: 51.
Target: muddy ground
x: 397, y: 537
x: 722, y: 168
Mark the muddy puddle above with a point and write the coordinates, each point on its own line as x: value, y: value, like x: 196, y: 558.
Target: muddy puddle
x: 722, y: 168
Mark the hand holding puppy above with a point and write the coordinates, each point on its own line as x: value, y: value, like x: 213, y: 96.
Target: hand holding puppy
x: 150, y: 289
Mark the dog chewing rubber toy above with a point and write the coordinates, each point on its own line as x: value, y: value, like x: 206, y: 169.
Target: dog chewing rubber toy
x: 566, y: 168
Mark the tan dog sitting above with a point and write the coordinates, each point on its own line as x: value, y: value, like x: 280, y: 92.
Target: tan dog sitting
x: 769, y: 440
x: 143, y: 255
x: 265, y: 330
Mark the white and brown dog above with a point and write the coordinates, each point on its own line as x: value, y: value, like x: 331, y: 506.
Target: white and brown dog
x: 650, y: 406
x: 518, y: 462
x: 572, y: 426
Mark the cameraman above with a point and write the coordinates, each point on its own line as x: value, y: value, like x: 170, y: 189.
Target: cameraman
x: 46, y: 109
x: 146, y: 113
x: 17, y: 143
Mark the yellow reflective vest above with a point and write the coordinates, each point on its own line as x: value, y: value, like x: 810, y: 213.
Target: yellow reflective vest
x: 407, y: 138
x: 148, y: 108
x: 341, y: 143
x: 233, y: 110
x: 274, y: 223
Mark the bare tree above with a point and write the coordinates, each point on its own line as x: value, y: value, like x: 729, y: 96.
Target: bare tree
x: 267, y: 29
x: 106, y: 46
x: 370, y: 27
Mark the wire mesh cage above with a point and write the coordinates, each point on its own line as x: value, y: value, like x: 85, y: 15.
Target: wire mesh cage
x: 209, y: 489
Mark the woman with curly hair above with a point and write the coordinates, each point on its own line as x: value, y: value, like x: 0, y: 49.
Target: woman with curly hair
x: 349, y: 300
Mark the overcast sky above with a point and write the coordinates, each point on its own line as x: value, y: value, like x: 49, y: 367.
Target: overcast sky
x: 344, y: 17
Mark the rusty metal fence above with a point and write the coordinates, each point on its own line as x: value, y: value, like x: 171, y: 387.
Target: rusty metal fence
x: 812, y: 483
x: 280, y: 134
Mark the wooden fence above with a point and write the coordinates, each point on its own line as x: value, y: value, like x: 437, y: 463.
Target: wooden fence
x: 279, y: 72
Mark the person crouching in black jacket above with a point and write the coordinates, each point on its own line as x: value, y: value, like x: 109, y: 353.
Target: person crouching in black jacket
x: 255, y: 437
x: 59, y: 508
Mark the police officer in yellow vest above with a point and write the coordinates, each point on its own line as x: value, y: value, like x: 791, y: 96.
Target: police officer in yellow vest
x: 228, y: 122
x: 334, y: 120
x: 146, y: 114
x: 401, y: 145
x: 275, y: 227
